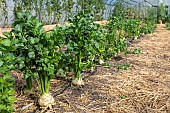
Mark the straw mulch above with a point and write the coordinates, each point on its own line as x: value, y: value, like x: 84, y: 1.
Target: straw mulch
x: 146, y: 85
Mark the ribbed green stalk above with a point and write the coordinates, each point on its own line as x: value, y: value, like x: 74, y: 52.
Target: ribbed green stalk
x: 29, y: 83
x: 44, y: 83
x: 78, y: 67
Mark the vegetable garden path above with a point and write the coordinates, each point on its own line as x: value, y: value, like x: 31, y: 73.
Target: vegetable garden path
x: 143, y: 88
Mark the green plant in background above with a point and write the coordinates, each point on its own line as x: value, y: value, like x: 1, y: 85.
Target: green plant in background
x: 99, y: 9
x: 49, y: 5
x: 100, y: 44
x: 148, y: 27
x: 3, y: 11
x: 116, y: 41
x: 57, y: 9
x: 6, y: 80
x: 27, y: 5
x: 119, y: 8
x: 129, y: 15
x: 148, y: 24
x: 54, y: 10
x: 131, y: 12
x: 68, y: 5
x: 21, y: 5
x: 40, y: 9
x: 35, y: 7
x: 151, y: 15
x: 132, y: 28
x: 17, y: 7
x: 161, y: 13
x: 92, y: 6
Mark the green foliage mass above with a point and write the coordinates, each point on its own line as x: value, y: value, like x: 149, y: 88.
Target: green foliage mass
x: 6, y: 80
x: 83, y: 38
x: 35, y: 50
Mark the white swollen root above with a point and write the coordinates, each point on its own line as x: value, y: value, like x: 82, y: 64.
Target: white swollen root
x: 101, y: 62
x: 78, y: 82
x: 46, y: 100
x: 136, y: 37
x: 91, y: 69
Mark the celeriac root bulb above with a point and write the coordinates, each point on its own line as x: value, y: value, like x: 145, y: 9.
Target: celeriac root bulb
x: 78, y: 82
x: 46, y: 100
x: 101, y: 62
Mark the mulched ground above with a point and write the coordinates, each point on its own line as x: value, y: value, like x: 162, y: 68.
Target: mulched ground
x: 143, y: 88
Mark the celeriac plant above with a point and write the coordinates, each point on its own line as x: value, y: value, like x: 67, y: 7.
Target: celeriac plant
x: 149, y: 23
x: 148, y: 27
x: 25, y: 29
x: 47, y: 59
x: 132, y: 28
x: 161, y: 13
x: 100, y: 43
x: 80, y: 41
x: 37, y: 54
x: 116, y: 41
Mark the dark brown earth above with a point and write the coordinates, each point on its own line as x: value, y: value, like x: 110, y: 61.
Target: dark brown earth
x: 143, y: 88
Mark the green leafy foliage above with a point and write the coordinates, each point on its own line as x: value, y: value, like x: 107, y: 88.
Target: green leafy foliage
x: 132, y: 28
x: 162, y: 12
x: 115, y: 39
x: 26, y: 35
x: 119, y: 8
x: 80, y: 41
x: 6, y: 94
x: 168, y: 26
x: 6, y: 81
x: 4, y: 11
x: 100, y: 43
x: 148, y: 27
x: 35, y: 50
x: 92, y: 6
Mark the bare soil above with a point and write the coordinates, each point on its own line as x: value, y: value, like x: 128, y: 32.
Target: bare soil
x: 143, y: 88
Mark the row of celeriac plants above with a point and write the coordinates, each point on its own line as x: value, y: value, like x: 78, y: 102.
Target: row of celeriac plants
x: 40, y: 54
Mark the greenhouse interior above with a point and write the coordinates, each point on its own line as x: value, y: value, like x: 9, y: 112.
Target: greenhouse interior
x: 84, y: 56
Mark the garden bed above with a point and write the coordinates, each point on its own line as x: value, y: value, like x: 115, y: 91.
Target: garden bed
x: 143, y: 88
